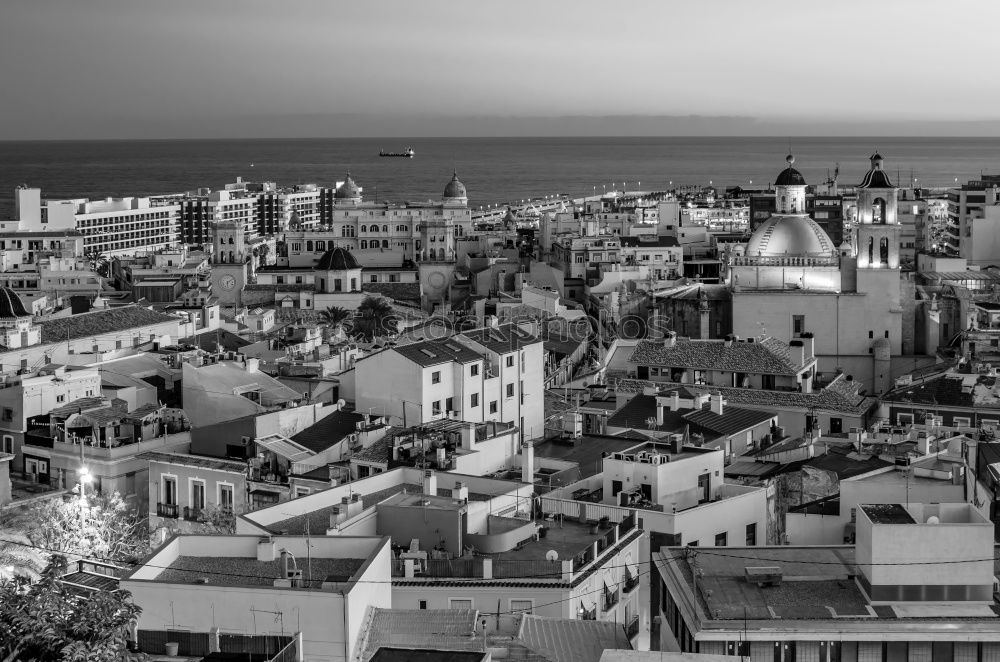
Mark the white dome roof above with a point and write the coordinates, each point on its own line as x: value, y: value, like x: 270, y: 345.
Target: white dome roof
x: 790, y: 236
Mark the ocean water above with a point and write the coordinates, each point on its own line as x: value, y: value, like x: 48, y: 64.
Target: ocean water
x: 494, y: 170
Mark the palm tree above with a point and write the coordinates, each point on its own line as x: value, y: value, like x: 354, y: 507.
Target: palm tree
x: 374, y: 318
x: 99, y: 263
x: 334, y: 317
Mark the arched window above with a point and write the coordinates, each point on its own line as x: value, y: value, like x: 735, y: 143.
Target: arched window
x: 320, y: 245
x: 458, y: 230
x: 878, y: 211
x: 230, y: 239
x: 883, y: 251
x: 782, y: 202
x: 385, y: 243
x: 385, y: 228
x: 309, y: 246
x: 364, y: 228
x: 364, y: 244
x: 871, y: 251
x: 347, y: 231
x: 232, y: 258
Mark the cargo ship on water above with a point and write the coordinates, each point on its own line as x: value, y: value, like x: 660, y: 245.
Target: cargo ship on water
x: 407, y: 153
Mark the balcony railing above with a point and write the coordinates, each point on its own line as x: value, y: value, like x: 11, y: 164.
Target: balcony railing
x: 632, y: 628
x: 610, y: 599
x: 166, y: 510
x: 630, y: 584
x: 192, y: 514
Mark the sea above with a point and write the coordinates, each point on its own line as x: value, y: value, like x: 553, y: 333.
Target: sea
x: 494, y: 170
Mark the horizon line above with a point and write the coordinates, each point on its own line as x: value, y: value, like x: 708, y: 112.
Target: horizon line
x: 509, y: 137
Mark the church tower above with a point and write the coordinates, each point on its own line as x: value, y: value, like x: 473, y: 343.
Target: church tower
x: 229, y: 262
x: 877, y: 245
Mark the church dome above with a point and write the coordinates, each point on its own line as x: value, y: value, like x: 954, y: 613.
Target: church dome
x: 790, y: 176
x: 11, y: 306
x: 347, y: 190
x: 789, y: 236
x: 876, y: 177
x: 337, y: 259
x: 455, y: 188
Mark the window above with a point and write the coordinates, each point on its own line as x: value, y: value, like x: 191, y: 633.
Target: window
x: 374, y: 278
x: 510, y: 361
x: 521, y: 606
x: 197, y: 494
x: 338, y: 285
x: 474, y: 370
x: 8, y: 414
x: 301, y: 491
x: 720, y: 539
x: 510, y: 390
x: 422, y: 604
x: 436, y: 408
x: 493, y: 407
x: 798, y: 325
x: 449, y: 404
x: 226, y: 497
x: 960, y: 421
x: 616, y: 487
x: 459, y: 603
x: 751, y: 534
x: 836, y: 425
x: 8, y: 444
x: 60, y: 398
x: 436, y: 377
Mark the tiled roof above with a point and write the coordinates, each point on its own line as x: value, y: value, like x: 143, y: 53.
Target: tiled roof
x: 211, y: 340
x: 397, y: 291
x: 732, y: 420
x: 824, y: 400
x: 99, y: 322
x: 503, y: 339
x: 78, y: 405
x: 844, y: 465
x: 571, y: 640
x: 445, y: 629
x: 436, y: 352
x: 769, y: 356
x: 329, y: 430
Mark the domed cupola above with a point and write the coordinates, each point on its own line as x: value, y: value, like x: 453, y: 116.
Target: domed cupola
x: 348, y: 191
x: 11, y: 306
x: 454, y: 192
x: 876, y: 177
x: 790, y: 190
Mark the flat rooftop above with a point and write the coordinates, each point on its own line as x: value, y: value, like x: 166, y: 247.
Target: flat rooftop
x: 567, y: 538
x: 247, y: 571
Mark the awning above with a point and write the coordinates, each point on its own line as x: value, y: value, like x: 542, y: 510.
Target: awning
x: 284, y: 447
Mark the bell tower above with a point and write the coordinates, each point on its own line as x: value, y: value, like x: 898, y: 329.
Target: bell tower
x: 878, y: 228
x: 229, y: 262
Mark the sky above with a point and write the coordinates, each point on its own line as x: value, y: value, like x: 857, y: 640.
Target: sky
x: 232, y: 68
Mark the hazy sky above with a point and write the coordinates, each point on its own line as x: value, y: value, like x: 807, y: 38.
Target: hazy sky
x: 185, y: 68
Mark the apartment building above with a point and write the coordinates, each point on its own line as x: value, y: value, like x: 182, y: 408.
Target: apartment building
x: 317, y: 590
x: 187, y: 491
x: 966, y: 204
x: 114, y: 226
x: 888, y: 598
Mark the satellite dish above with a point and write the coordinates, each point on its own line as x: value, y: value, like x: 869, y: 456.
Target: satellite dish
x: 933, y: 519
x: 341, y: 403
x: 552, y: 555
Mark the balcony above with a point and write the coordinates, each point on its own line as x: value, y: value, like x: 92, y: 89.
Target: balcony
x: 632, y: 627
x: 166, y: 510
x: 192, y: 514
x: 630, y: 584
x: 610, y: 599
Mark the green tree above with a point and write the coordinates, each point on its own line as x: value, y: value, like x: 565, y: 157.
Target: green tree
x: 374, y: 318
x: 45, y: 621
x: 99, y: 263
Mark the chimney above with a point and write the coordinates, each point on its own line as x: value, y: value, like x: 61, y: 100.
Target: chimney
x: 527, y: 462
x: 808, y: 345
x: 677, y: 444
x: 669, y: 339
x: 355, y: 506
x: 717, y: 403
x: 430, y: 482
x: 661, y: 402
x: 728, y: 342
x: 284, y: 563
x: 699, y: 401
x: 468, y: 436
x: 265, y: 550
x: 461, y: 492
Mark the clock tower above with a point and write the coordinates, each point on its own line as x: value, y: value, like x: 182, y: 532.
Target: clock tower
x: 229, y: 263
